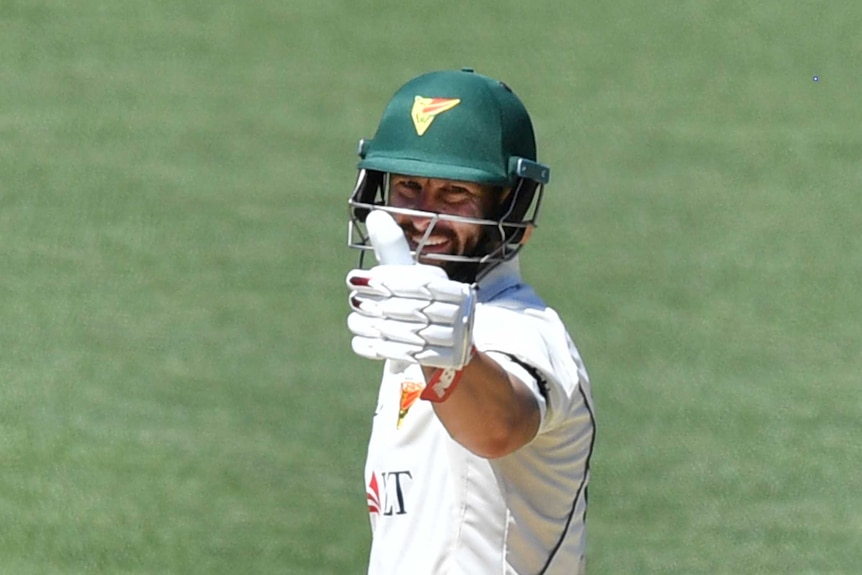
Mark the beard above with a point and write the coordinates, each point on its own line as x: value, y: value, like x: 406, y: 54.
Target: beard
x: 484, y: 243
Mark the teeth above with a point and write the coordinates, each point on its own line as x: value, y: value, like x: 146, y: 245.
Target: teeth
x: 431, y: 241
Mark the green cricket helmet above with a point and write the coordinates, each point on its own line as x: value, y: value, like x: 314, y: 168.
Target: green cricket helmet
x: 455, y: 125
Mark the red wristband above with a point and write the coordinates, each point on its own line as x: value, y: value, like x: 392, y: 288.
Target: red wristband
x: 441, y: 384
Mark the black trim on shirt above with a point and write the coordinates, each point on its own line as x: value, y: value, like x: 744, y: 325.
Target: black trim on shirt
x: 534, y: 373
x: 581, y: 488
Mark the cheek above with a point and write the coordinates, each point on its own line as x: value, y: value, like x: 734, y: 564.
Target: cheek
x: 472, y: 209
x: 398, y: 201
x: 468, y: 236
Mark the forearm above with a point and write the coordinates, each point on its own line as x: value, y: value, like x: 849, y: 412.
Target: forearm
x: 490, y: 412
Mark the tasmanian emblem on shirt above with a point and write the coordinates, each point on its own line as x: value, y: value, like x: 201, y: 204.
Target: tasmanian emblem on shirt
x: 410, y: 391
x: 426, y: 109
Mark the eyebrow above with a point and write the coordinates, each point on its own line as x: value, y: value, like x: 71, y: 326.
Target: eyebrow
x: 450, y: 187
x: 405, y: 182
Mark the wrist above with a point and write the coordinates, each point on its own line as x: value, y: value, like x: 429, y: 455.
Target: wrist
x: 441, y: 382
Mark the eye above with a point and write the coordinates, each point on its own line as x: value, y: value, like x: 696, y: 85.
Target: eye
x: 456, y: 196
x: 404, y: 191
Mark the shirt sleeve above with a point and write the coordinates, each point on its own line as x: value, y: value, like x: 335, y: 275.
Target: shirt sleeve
x: 525, y: 344
x: 526, y: 374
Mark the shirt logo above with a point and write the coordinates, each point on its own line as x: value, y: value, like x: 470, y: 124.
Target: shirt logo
x: 372, y: 495
x: 393, y: 485
x: 426, y: 109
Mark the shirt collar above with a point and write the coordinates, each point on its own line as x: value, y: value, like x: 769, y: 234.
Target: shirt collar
x: 503, y: 277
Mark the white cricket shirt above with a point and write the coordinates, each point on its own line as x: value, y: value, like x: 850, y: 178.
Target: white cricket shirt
x: 436, y: 508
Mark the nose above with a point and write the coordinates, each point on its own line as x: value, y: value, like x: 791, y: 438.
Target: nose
x: 422, y: 202
x: 419, y: 223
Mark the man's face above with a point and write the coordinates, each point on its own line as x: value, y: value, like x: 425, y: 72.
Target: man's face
x: 450, y: 197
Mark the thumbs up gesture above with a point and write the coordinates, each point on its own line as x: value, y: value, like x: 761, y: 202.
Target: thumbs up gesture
x: 408, y: 312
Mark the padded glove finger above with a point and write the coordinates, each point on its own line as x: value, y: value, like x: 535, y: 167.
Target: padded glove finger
x: 386, y: 329
x: 374, y: 348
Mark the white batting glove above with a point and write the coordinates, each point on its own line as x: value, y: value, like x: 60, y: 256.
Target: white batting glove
x: 411, y: 313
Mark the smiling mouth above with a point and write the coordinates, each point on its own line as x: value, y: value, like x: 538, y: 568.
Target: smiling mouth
x: 432, y: 244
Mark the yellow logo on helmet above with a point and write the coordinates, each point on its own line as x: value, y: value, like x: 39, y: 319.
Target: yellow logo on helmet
x: 426, y: 109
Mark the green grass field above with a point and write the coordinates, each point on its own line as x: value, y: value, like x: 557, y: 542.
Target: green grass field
x: 178, y: 392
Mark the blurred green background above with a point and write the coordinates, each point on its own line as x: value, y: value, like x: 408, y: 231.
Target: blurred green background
x: 178, y: 393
